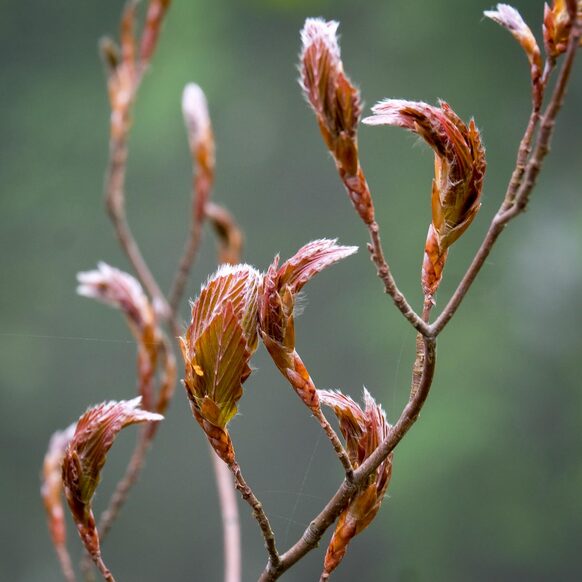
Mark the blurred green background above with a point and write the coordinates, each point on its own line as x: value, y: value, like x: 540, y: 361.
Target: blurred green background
x: 487, y: 485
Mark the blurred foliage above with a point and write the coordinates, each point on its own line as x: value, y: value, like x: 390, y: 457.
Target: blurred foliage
x: 487, y: 484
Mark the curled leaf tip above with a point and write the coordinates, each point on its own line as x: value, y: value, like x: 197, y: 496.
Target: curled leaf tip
x: 117, y: 289
x: 508, y: 17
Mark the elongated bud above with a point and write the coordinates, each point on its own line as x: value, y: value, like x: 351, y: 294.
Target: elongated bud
x: 51, y: 493
x: 459, y: 171
x: 196, y: 116
x: 217, y: 348
x: 85, y: 457
x: 363, y: 431
x: 201, y: 140
x: 337, y: 106
x: 511, y: 19
x: 277, y: 296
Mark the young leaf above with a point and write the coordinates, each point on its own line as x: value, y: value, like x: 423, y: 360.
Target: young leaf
x: 277, y: 296
x: 337, y: 107
x: 217, y: 348
x: 363, y: 431
x: 85, y: 457
x: 459, y: 171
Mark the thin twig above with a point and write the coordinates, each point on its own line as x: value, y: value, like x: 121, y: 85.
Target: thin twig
x: 105, y: 572
x: 186, y: 261
x: 258, y: 513
x: 66, y: 563
x: 311, y: 536
x: 115, y: 203
x: 522, y: 194
x: 385, y: 275
x: 230, y: 519
x: 336, y: 443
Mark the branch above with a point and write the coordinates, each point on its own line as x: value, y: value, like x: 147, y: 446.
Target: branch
x: 335, y: 442
x: 66, y: 564
x: 517, y: 198
x: 385, y: 275
x: 115, y: 204
x: 258, y: 513
x: 230, y: 520
x: 310, y: 538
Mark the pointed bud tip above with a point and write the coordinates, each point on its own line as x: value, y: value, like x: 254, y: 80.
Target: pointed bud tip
x: 195, y: 109
x: 319, y: 30
x: 226, y: 270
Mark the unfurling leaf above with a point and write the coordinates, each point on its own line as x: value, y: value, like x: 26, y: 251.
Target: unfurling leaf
x: 337, y: 106
x: 459, y: 171
x: 217, y: 348
x: 511, y: 19
x: 276, y: 305
x: 51, y: 493
x: 363, y: 431
x: 85, y: 457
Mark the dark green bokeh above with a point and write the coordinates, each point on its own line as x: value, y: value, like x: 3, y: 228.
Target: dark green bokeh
x: 487, y: 485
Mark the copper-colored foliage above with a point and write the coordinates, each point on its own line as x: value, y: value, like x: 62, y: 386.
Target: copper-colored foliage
x: 217, y: 348
x: 558, y: 21
x: 277, y: 297
x: 510, y: 18
x: 52, y: 485
x: 337, y: 106
x: 459, y: 170
x: 85, y: 457
x: 363, y: 431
